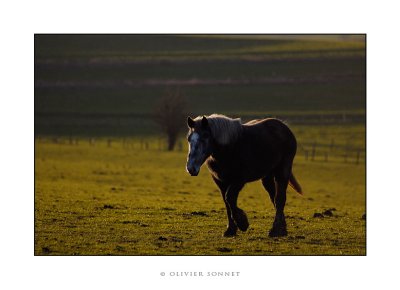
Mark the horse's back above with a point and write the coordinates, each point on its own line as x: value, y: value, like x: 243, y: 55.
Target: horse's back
x: 268, y: 124
x: 264, y: 122
x: 271, y: 131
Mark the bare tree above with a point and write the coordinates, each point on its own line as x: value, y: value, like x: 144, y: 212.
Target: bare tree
x: 170, y: 114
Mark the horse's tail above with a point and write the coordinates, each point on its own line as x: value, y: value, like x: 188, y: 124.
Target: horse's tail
x: 294, y: 184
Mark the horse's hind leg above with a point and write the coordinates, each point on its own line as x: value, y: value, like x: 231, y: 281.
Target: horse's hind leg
x: 282, y: 180
x: 232, y: 227
x: 269, y: 185
x: 237, y: 214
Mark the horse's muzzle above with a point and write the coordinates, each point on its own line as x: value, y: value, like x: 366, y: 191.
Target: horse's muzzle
x: 192, y: 171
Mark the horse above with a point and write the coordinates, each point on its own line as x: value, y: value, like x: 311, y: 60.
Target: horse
x: 236, y: 154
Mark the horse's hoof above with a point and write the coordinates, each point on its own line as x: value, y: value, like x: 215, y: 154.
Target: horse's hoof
x: 243, y: 225
x: 277, y: 232
x: 230, y: 232
x: 242, y: 221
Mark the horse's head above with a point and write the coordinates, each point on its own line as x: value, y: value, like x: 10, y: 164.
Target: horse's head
x: 200, y: 144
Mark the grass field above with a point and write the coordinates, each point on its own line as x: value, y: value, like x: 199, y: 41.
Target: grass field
x: 117, y: 200
x: 139, y: 47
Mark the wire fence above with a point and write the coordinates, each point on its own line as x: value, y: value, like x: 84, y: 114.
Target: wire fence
x: 310, y: 152
x: 320, y: 152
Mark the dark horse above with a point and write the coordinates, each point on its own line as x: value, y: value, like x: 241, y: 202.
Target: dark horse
x: 238, y: 153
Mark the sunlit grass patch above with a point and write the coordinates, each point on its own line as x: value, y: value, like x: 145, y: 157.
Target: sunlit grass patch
x: 101, y: 200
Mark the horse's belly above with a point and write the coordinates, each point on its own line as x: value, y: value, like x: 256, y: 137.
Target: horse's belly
x: 253, y: 174
x: 236, y: 172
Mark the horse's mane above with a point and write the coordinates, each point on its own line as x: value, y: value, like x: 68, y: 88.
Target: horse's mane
x: 224, y: 130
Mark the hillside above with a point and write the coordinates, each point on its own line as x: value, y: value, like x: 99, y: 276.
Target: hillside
x: 108, y: 84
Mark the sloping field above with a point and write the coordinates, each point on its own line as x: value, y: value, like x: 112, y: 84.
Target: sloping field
x: 103, y: 85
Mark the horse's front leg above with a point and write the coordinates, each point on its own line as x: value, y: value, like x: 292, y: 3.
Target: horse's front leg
x: 232, y: 227
x: 237, y: 214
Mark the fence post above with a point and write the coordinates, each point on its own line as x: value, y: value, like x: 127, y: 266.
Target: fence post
x: 313, y: 151
x: 358, y: 157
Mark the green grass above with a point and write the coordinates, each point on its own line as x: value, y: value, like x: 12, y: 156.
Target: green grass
x: 260, y: 98
x: 146, y: 47
x: 123, y: 200
x: 235, y: 68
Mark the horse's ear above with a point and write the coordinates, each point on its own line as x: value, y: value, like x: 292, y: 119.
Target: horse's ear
x: 190, y: 122
x: 204, y: 122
